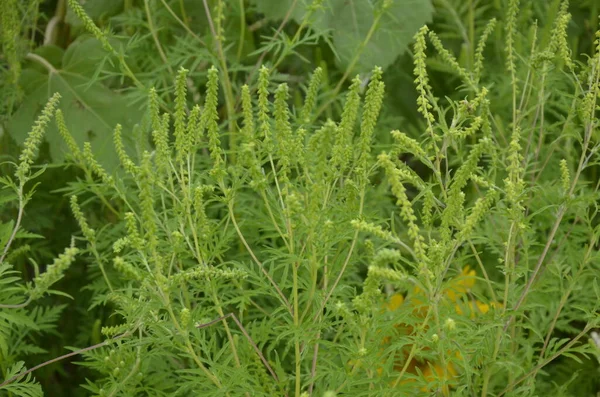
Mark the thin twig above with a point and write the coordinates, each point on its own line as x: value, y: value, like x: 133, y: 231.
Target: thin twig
x: 562, y: 210
x: 313, y: 369
x: 155, y: 37
x: 227, y: 86
x: 16, y: 228
x: 56, y: 359
x: 546, y: 362
x: 346, y: 261
x: 286, y: 19
x: 259, y: 263
x: 194, y: 35
x: 247, y: 336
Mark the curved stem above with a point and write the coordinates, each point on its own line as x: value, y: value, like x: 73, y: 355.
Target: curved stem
x: 182, y: 23
x: 17, y: 225
x: 188, y: 343
x: 75, y: 353
x: 42, y: 61
x: 17, y: 306
x: 259, y: 263
x: 155, y: 37
x: 298, y: 380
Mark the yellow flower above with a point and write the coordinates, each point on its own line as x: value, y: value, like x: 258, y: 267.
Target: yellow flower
x: 395, y: 302
x: 455, y: 295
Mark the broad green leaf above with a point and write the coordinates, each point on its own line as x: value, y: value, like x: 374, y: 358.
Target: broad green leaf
x: 32, y: 78
x: 86, y: 55
x: 349, y: 23
x: 277, y: 9
x: 51, y: 53
x: 90, y: 109
x: 96, y: 9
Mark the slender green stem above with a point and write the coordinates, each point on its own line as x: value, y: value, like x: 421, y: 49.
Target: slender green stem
x: 155, y: 37
x: 229, y: 98
x: 563, y: 208
x: 242, y: 32
x: 56, y: 359
x: 262, y: 56
x: 413, y: 350
x: 182, y: 23
x: 17, y: 223
x: 548, y: 360
x: 564, y: 299
x: 471, y: 43
x: 350, y: 68
x: 259, y: 263
x: 183, y: 13
x: 188, y: 345
x: 296, y: 326
x: 348, y: 256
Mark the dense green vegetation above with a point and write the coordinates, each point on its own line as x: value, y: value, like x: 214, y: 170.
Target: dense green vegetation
x: 297, y: 198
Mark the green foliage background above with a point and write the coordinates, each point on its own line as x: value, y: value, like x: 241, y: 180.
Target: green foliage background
x: 265, y: 190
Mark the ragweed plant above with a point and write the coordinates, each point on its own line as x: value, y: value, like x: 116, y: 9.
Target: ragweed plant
x: 21, y: 318
x: 510, y: 185
x: 276, y: 274
x: 228, y: 267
